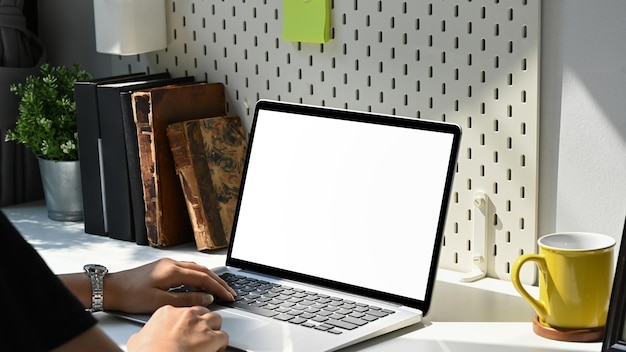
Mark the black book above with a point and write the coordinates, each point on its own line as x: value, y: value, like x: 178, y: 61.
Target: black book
x: 116, y: 190
x: 117, y: 180
x: 134, y: 169
x: 88, y: 126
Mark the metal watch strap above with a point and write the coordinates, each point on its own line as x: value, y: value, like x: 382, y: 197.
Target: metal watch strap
x: 96, y: 274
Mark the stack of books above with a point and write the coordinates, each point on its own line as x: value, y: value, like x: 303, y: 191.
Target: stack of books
x: 135, y: 185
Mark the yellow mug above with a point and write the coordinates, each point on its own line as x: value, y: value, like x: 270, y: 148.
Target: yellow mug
x: 575, y: 279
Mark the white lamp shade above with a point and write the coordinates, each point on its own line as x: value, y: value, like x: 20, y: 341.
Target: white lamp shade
x: 129, y: 27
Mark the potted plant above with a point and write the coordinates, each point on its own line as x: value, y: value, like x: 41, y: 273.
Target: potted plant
x: 46, y: 125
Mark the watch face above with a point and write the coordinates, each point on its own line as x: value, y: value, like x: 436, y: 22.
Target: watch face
x: 95, y: 268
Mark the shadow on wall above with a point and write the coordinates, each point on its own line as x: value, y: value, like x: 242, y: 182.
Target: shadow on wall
x: 592, y: 135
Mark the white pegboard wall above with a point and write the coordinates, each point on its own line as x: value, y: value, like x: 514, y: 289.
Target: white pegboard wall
x: 475, y: 63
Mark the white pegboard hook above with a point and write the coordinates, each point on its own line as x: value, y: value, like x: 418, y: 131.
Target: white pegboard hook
x: 479, y: 241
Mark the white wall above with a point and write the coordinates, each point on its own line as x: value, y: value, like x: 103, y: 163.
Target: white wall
x: 583, y: 117
x: 583, y: 99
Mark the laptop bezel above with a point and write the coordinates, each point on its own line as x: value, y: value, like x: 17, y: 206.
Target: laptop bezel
x: 368, y: 117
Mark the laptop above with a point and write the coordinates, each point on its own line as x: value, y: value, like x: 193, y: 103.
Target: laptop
x: 338, y: 227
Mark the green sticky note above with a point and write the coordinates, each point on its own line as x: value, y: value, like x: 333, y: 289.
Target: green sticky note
x: 306, y: 20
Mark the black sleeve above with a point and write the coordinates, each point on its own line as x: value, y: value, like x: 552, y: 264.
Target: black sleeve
x: 39, y: 311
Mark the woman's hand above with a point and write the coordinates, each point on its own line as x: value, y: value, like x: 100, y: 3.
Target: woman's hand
x: 180, y: 329
x: 146, y: 288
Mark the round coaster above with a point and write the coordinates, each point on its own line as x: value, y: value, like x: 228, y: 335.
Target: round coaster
x: 569, y: 335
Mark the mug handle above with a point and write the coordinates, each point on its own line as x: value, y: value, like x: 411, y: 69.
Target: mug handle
x: 537, y: 305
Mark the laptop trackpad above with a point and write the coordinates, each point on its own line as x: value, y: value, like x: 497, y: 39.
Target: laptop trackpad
x: 251, y: 334
x: 233, y: 321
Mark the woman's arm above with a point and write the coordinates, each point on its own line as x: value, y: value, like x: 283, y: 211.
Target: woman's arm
x: 186, y: 329
x: 92, y: 340
x: 145, y: 288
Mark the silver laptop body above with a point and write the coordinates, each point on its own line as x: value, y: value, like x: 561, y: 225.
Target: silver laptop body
x: 344, y: 204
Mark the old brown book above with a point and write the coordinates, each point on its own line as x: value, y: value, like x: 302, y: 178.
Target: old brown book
x: 209, y: 155
x: 167, y: 220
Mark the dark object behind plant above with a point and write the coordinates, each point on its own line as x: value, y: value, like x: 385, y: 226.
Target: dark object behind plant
x: 46, y: 124
x: 21, y: 55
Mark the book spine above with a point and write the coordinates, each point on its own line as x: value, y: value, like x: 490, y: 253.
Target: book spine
x: 186, y: 143
x: 134, y: 170
x: 141, y: 102
x: 226, y: 157
x: 116, y: 186
x: 87, y: 121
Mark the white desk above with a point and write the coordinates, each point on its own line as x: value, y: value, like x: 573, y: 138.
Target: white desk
x: 487, y: 315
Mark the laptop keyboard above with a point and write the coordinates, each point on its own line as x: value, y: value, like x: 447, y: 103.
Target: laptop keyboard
x: 305, y: 308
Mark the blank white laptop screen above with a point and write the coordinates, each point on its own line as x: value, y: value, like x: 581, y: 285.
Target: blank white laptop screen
x: 343, y: 200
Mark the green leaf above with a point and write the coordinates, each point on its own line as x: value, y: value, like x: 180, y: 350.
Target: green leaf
x: 46, y: 124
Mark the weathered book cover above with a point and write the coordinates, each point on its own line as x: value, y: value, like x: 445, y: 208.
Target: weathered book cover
x: 135, y: 185
x: 167, y: 220
x: 209, y: 155
x: 116, y: 187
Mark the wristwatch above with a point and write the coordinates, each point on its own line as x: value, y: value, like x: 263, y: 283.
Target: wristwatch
x: 96, y: 273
